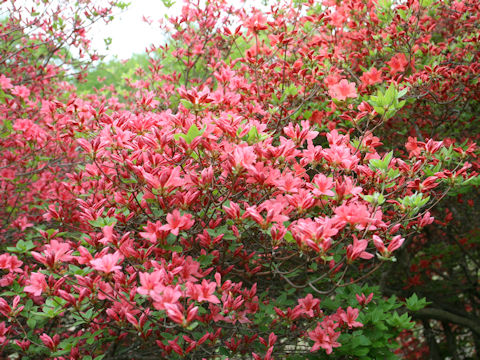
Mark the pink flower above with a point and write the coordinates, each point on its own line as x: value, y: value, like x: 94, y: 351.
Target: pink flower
x: 190, y: 270
x: 324, y: 338
x: 318, y: 231
x: 169, y: 295
x: 340, y: 155
x: 107, y: 263
x: 364, y: 300
x: 338, y: 18
x: 354, y: 214
x: 3, y: 331
x: 49, y: 342
x: 36, y: 284
x: 108, y: 235
x: 233, y: 211
x: 174, y: 313
x: 206, y: 291
x: 21, y: 91
x: 151, y: 282
x: 153, y: 232
x: 394, y: 244
x: 54, y: 253
x: 5, y: 82
x: 5, y: 309
x: 10, y: 263
x: 308, y: 304
x: 414, y: 147
x: 378, y: 242
x: 343, y: 90
x: 426, y: 219
x: 357, y: 250
x: 244, y: 157
x: 166, y: 180
x: 349, y: 317
x: 22, y: 223
x: 177, y: 222
x: 256, y: 23
x: 322, y: 185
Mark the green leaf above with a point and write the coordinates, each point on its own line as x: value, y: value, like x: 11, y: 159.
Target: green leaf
x: 288, y: 237
x: 193, y: 132
x: 390, y: 94
x: 102, y: 222
x: 22, y: 246
x: 168, y: 3
x: 31, y: 322
x: 413, y: 303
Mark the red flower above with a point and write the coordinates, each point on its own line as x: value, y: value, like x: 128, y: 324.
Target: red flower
x: 397, y: 63
x: 371, y: 77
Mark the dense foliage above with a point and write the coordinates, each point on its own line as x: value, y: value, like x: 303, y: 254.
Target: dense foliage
x: 265, y: 187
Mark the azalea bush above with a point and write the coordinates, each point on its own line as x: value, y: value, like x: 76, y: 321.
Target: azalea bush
x: 239, y: 197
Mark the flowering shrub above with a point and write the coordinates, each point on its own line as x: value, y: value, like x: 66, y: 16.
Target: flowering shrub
x: 235, y: 202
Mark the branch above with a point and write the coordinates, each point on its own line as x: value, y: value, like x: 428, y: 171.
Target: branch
x: 443, y: 315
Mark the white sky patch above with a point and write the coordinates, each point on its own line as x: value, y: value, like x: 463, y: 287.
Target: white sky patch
x: 129, y: 33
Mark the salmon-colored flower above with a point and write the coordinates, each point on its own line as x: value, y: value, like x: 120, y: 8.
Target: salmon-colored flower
x: 343, y: 90
x: 371, y: 77
x: 397, y: 63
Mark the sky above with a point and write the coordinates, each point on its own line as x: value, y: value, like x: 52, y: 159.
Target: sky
x: 129, y: 34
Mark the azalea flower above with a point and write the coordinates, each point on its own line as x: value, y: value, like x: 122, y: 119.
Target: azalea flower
x: 36, y: 285
x: 107, y: 263
x: 397, y: 63
x: 354, y: 214
x: 244, y: 157
x: 349, y: 317
x: 206, y: 290
x: 308, y: 304
x: 394, y: 244
x: 324, y: 338
x: 21, y: 91
x: 322, y: 185
x: 169, y: 295
x: 151, y: 282
x: 177, y: 222
x: 256, y: 23
x: 343, y: 90
x: 5, y: 82
x: 357, y: 250
x: 371, y: 77
x: 54, y: 253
